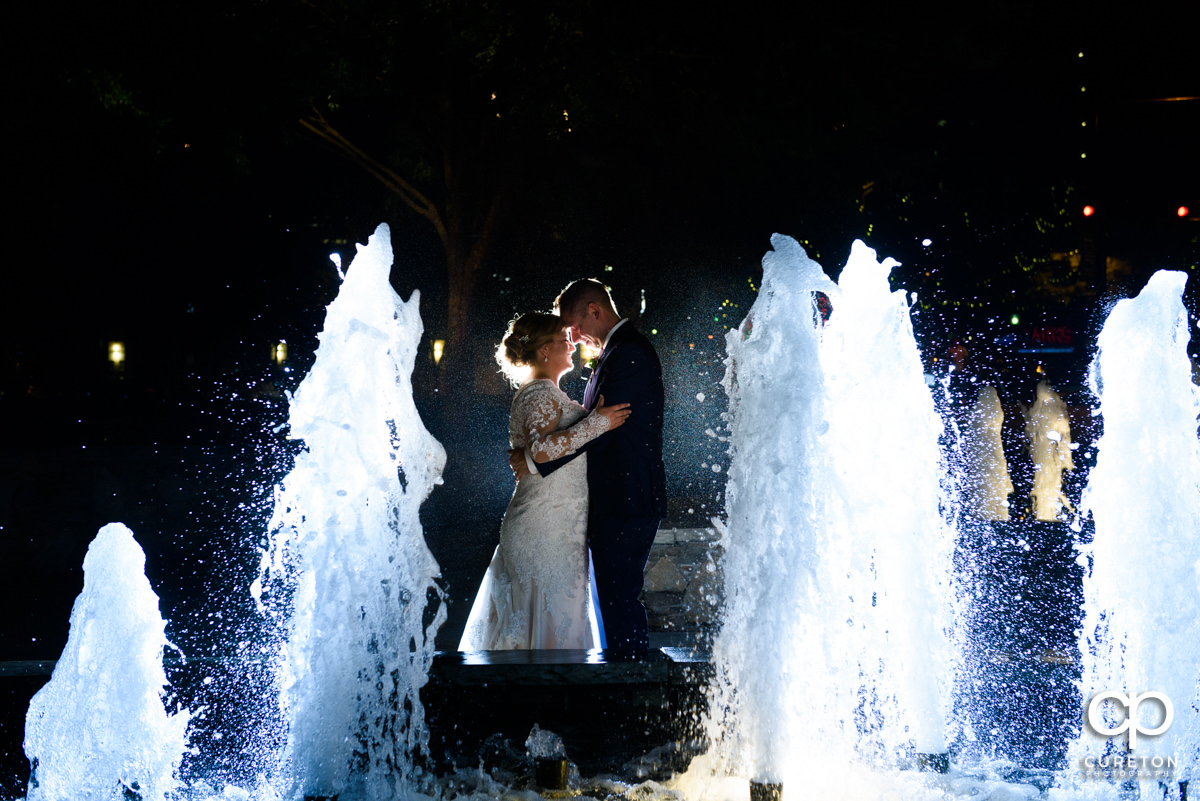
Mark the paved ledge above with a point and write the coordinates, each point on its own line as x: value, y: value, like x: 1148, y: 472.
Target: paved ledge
x: 171, y: 662
x: 664, y: 666
x: 678, y: 536
x: 482, y: 667
x: 35, y: 667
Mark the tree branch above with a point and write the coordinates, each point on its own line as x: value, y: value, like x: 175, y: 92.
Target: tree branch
x: 409, y: 194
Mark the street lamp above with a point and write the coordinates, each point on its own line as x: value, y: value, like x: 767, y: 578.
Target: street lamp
x: 116, y: 354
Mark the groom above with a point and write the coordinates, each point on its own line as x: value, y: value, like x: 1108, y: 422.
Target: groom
x: 627, y: 485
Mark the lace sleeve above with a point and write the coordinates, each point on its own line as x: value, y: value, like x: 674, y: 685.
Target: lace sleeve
x: 542, y: 415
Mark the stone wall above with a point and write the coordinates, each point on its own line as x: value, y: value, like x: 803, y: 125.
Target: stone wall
x: 684, y: 588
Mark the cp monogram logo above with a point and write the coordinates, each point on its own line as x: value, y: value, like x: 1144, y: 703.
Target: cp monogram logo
x: 1130, y: 702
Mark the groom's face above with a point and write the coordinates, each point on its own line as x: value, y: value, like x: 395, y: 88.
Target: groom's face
x: 583, y: 325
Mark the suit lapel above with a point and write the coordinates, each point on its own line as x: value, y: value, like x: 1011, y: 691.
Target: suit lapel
x: 590, y: 393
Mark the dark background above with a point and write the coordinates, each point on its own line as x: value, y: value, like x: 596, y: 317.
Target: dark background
x: 164, y: 193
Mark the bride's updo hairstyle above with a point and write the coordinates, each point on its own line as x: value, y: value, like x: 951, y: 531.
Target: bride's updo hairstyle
x: 519, y: 350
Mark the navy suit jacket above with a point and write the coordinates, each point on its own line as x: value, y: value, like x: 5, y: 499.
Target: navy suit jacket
x: 626, y: 475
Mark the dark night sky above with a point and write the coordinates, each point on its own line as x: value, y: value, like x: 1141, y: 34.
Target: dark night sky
x: 167, y: 196
x: 724, y: 124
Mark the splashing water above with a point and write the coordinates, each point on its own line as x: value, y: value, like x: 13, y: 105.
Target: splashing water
x: 1141, y: 630
x: 833, y: 662
x: 347, y: 567
x: 98, y: 729
x: 763, y: 681
x: 837, y: 558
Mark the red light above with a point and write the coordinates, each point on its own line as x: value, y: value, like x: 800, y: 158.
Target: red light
x: 1182, y: 211
x: 1088, y: 211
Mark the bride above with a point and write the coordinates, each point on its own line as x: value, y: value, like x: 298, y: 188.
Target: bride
x: 536, y: 593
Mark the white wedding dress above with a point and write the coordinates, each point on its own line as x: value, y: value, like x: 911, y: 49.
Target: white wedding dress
x: 537, y: 592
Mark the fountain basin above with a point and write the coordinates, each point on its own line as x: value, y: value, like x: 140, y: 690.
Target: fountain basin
x: 607, y: 713
x: 482, y: 707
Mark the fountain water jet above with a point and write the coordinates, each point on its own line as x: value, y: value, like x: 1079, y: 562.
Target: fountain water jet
x: 826, y: 421
x: 1142, y: 592
x: 347, y: 571
x: 98, y: 729
x: 986, y: 483
x: 1049, y: 433
x: 346, y: 582
x: 837, y: 559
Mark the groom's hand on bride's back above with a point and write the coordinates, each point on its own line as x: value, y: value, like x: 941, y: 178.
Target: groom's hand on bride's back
x: 516, y: 460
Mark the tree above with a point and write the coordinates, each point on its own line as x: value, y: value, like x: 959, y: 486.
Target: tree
x: 450, y: 106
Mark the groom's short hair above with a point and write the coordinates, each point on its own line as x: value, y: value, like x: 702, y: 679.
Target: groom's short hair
x: 582, y: 292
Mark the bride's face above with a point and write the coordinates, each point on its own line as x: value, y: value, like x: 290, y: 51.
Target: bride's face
x: 562, y: 354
